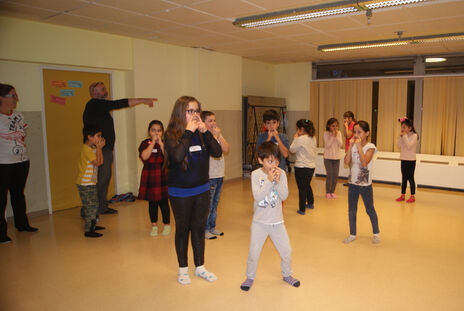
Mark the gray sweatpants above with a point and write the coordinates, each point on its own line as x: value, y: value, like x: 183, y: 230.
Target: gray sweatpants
x: 279, y: 236
x: 331, y: 167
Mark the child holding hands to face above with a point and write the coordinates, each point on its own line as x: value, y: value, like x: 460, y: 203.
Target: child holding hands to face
x: 304, y: 146
x: 153, y: 181
x: 359, y: 157
x: 407, y: 142
x: 216, y: 175
x: 90, y: 159
x: 189, y: 146
x: 269, y: 187
x: 332, y: 145
x: 271, y: 120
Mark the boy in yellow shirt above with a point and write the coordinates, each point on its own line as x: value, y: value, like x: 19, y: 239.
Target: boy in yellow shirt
x: 91, y: 158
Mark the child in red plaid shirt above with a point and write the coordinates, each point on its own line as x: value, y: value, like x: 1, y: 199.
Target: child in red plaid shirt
x: 153, y: 182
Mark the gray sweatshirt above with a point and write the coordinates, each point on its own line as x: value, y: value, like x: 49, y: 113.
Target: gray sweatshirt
x: 268, y: 197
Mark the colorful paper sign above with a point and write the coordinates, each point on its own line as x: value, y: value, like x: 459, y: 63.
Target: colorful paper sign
x: 73, y: 83
x: 58, y: 100
x: 58, y: 83
x: 66, y: 93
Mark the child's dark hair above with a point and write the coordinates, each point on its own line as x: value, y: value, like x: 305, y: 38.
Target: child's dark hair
x: 156, y: 122
x: 363, y: 125
x: 330, y: 122
x: 270, y: 115
x: 205, y: 114
x: 349, y: 114
x: 307, y: 125
x: 90, y: 130
x: 5, y: 89
x: 268, y: 149
x: 408, y: 123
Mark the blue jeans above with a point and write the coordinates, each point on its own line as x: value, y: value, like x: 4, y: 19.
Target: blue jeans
x: 353, y: 195
x: 215, y: 185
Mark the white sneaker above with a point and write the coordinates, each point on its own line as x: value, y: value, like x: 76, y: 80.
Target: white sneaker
x: 166, y: 230
x: 376, y: 239
x: 349, y: 239
x: 154, y: 231
x: 215, y: 232
x: 210, y: 236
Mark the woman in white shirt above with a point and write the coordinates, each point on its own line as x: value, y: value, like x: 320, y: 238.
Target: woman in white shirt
x: 14, y: 162
x: 304, y: 147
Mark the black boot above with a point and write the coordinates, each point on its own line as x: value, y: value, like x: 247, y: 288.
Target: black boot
x: 91, y: 233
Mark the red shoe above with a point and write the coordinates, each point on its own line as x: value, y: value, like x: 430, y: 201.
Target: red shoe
x: 401, y: 198
x: 412, y: 199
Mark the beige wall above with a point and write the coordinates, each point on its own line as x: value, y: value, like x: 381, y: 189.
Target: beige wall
x: 258, y: 78
x: 29, y: 41
x: 292, y: 83
x: 168, y: 72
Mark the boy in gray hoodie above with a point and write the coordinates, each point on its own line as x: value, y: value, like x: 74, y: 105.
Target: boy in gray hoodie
x: 269, y: 186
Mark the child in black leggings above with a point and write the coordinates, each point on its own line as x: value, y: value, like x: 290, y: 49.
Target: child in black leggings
x: 188, y: 147
x: 407, y: 142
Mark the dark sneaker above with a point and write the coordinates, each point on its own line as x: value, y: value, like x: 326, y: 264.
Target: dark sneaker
x: 92, y: 234
x: 28, y: 229
x: 5, y: 240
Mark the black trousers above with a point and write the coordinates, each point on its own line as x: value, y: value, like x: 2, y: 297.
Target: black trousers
x: 153, y: 211
x: 13, y: 179
x: 190, y: 214
x: 303, y: 176
x: 104, y: 177
x: 407, y: 172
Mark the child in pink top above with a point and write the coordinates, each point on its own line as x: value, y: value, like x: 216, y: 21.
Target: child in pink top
x: 348, y: 122
x: 332, y: 144
x: 407, y: 142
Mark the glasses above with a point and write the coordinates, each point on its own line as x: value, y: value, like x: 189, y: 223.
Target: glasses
x: 11, y: 95
x: 192, y: 111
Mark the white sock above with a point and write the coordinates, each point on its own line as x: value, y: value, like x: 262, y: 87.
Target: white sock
x: 183, y: 277
x: 205, y: 274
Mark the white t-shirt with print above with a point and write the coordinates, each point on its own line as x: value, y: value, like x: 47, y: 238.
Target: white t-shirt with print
x: 361, y: 176
x: 12, y: 134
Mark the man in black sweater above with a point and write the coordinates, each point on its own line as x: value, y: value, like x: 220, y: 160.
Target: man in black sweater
x: 97, y: 112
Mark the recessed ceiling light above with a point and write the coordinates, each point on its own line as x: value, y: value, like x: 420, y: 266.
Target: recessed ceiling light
x: 435, y: 59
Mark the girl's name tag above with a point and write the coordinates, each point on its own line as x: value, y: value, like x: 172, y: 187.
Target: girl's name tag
x: 195, y: 148
x: 154, y: 150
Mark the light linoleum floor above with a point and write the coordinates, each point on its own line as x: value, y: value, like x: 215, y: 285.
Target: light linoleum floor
x: 419, y: 264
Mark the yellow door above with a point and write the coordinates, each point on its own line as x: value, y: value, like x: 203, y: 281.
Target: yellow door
x: 65, y: 96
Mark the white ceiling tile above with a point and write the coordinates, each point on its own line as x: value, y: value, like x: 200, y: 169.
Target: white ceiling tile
x: 186, y: 16
x: 23, y: 11
x: 226, y: 8
x: 65, y: 5
x: 140, y: 6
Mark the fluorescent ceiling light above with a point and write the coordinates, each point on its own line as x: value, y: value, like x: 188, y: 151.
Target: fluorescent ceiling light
x: 384, y: 4
x: 435, y: 59
x: 391, y: 42
x: 298, y: 17
x: 316, y: 11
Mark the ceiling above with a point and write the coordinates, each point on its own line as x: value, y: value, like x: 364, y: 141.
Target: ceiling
x: 208, y: 24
